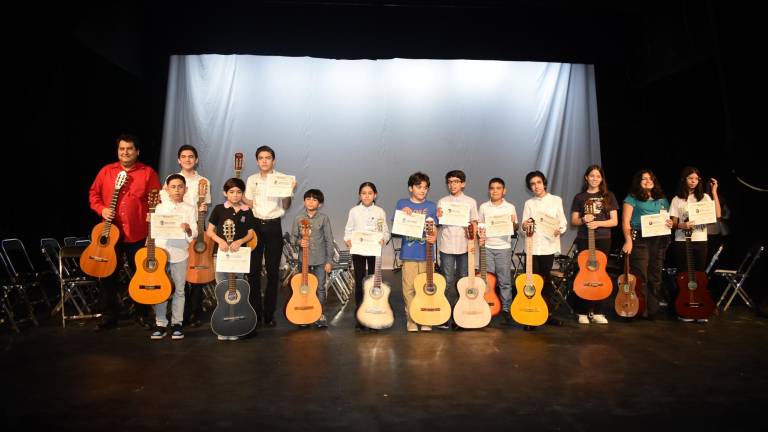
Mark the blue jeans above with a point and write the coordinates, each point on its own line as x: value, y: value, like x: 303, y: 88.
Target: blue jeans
x: 500, y: 263
x: 454, y: 267
x: 178, y: 274
x: 319, y: 272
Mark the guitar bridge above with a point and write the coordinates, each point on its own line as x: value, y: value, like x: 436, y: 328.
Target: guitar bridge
x: 150, y: 287
x: 303, y: 307
x: 430, y: 309
x: 198, y: 267
x: 234, y: 318
x: 374, y: 311
x: 97, y: 259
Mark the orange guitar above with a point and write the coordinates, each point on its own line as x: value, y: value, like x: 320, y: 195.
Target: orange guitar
x: 304, y: 307
x: 529, y: 307
x: 471, y: 310
x: 491, y: 297
x: 592, y: 282
x: 238, y: 170
x: 693, y: 299
x: 150, y: 284
x: 200, y: 264
x: 99, y: 258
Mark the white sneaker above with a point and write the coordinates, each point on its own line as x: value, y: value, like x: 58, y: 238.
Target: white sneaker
x: 599, y: 319
x: 412, y: 327
x: 685, y: 319
x: 426, y: 328
x: 583, y: 319
x: 220, y: 337
x: 702, y: 320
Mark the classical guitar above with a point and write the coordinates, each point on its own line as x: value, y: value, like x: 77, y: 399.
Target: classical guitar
x: 238, y: 171
x: 471, y: 310
x: 529, y: 307
x: 150, y: 284
x: 304, y: 307
x: 429, y: 306
x: 200, y: 263
x: 234, y: 315
x: 592, y: 282
x: 375, y: 312
x: 628, y: 296
x: 99, y: 258
x: 491, y: 297
x: 693, y: 298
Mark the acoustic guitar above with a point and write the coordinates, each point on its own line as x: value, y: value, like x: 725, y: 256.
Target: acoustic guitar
x: 528, y: 306
x: 693, y: 298
x: 200, y: 263
x: 99, y: 258
x: 238, y: 170
x: 471, y: 310
x: 592, y: 282
x: 629, y: 300
x: 234, y: 316
x: 304, y: 307
x: 150, y: 284
x: 429, y: 306
x: 491, y: 297
x: 375, y: 312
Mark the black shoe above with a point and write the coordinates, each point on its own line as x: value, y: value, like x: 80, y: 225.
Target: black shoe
x: 106, y: 325
x: 507, y: 318
x: 554, y: 321
x: 270, y: 323
x: 143, y: 322
x: 360, y: 327
x: 454, y: 326
x: 529, y: 328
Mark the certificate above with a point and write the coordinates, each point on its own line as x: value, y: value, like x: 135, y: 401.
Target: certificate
x: 234, y: 262
x: 366, y: 243
x: 499, y: 225
x: 654, y: 225
x: 701, y: 213
x: 454, y: 213
x: 546, y: 225
x: 409, y: 226
x: 167, y: 226
x: 279, y: 185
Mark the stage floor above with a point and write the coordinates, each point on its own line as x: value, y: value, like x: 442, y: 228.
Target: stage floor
x: 642, y: 375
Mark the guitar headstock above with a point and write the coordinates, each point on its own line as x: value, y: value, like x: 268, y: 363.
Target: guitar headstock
x: 591, y: 207
x: 228, y: 230
x: 306, y: 228
x: 380, y: 225
x: 202, y: 189
x: 122, y: 177
x: 153, y: 199
x: 429, y: 226
x: 470, y: 232
x: 238, y: 164
x: 481, y: 229
x: 531, y: 228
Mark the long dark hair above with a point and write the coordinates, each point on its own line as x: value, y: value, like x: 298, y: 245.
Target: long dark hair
x: 682, y: 188
x: 603, y: 188
x: 370, y: 185
x: 638, y: 192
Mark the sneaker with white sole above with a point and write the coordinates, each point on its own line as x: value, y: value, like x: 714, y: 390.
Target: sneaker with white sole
x: 426, y: 328
x: 583, y: 319
x: 412, y: 326
x: 159, y: 333
x: 702, y: 320
x: 685, y: 319
x: 599, y: 319
x: 322, y: 322
x: 220, y: 337
x: 176, y: 332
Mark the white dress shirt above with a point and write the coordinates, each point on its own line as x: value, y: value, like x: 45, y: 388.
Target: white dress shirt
x: 552, y: 206
x: 178, y: 249
x: 362, y: 218
x: 264, y: 207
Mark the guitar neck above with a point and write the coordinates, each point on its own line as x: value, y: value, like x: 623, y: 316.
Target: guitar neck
x: 231, y: 286
x: 483, y: 268
x: 377, y: 274
x: 305, y: 263
x: 626, y: 267
x: 591, y: 242
x: 430, y: 264
x: 112, y: 207
x: 470, y: 262
x: 528, y: 260
x: 689, y: 259
x: 150, y: 241
x: 200, y: 221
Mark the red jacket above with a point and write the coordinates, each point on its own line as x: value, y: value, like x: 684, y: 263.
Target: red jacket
x: 132, y: 207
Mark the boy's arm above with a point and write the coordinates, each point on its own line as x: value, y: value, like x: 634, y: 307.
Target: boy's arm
x: 328, y: 235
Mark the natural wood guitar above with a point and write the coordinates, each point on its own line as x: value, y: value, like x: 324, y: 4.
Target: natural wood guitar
x: 304, y: 307
x: 99, y: 258
x: 491, y: 297
x: 200, y: 268
x: 693, y: 298
x: 629, y: 299
x: 238, y: 171
x: 375, y: 312
x: 429, y: 305
x: 471, y: 310
x: 529, y: 307
x: 592, y: 282
x: 150, y: 284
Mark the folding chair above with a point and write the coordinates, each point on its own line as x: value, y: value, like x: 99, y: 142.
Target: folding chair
x: 562, y: 278
x: 13, y: 296
x: 712, y: 262
x: 77, y: 289
x: 341, y: 279
x: 397, y: 265
x: 291, y: 259
x: 736, y: 279
x: 22, y: 270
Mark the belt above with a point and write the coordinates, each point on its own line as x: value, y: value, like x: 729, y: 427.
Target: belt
x: 267, y: 221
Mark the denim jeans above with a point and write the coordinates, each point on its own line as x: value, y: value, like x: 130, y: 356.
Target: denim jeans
x: 319, y: 272
x: 453, y: 267
x: 500, y: 263
x: 179, y: 276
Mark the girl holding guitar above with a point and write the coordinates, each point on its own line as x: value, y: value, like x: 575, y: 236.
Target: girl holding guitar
x: 691, y: 190
x: 594, y: 209
x: 365, y: 216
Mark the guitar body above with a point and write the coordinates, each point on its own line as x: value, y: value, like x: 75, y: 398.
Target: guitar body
x: 429, y: 306
x: 491, y: 297
x: 234, y: 315
x: 200, y: 269
x: 529, y: 307
x: 627, y: 303
x: 253, y: 242
x: 150, y: 284
x: 304, y: 307
x: 592, y: 282
x: 99, y: 258
x: 375, y: 312
x: 693, y: 298
x: 471, y: 310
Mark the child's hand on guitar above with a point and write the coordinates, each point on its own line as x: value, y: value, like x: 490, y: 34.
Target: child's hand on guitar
x: 223, y: 246
x: 348, y: 243
x: 304, y: 243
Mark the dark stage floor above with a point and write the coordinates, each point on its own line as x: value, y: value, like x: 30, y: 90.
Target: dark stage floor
x: 644, y: 375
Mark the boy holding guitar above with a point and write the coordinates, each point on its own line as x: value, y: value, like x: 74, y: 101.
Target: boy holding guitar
x: 413, y: 251
x: 320, y: 242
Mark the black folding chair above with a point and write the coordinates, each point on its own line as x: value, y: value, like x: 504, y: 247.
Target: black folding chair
x: 22, y: 271
x: 13, y: 299
x: 736, y: 279
x: 79, y: 292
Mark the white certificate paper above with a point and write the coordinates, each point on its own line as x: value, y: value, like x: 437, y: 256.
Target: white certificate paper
x: 234, y: 262
x: 702, y: 213
x: 654, y: 225
x: 279, y: 185
x: 168, y: 227
x: 454, y: 213
x: 546, y: 225
x: 410, y: 226
x: 499, y: 225
x: 366, y: 243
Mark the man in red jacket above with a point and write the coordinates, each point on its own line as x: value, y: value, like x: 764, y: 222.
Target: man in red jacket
x: 129, y: 216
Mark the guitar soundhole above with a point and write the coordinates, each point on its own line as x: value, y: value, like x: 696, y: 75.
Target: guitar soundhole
x: 232, y: 297
x: 150, y: 265
x: 304, y: 290
x: 592, y: 265
x: 200, y: 246
x: 692, y: 285
x: 472, y: 293
x: 376, y: 293
x: 103, y: 240
x: 429, y: 289
x: 529, y: 291
x: 625, y: 288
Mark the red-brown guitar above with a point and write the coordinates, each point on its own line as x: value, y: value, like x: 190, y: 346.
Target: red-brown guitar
x: 490, y: 279
x: 693, y: 299
x: 200, y: 264
x: 592, y: 282
x: 99, y: 258
x: 629, y: 300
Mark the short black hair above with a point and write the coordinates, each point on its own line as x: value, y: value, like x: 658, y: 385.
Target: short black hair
x: 128, y: 138
x: 234, y: 182
x: 459, y: 174
x: 265, y: 148
x: 533, y: 174
x: 186, y: 147
x: 417, y: 178
x: 316, y: 194
x: 496, y: 180
x: 175, y: 176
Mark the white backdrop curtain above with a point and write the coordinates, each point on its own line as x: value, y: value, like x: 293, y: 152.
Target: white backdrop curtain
x: 337, y: 123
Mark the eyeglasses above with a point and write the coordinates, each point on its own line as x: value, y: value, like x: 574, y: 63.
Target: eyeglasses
x: 453, y: 181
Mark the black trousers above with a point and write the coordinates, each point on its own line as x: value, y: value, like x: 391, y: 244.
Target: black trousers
x: 698, y: 252
x: 111, y: 289
x: 542, y: 265
x: 585, y: 307
x: 359, y: 262
x: 270, y: 248
x: 647, y: 261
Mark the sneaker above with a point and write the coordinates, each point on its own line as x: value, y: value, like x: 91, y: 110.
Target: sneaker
x: 702, y: 320
x: 321, y: 323
x: 663, y: 303
x: 220, y: 337
x: 233, y: 338
x: 412, y: 327
x: 599, y: 319
x: 177, y: 333
x: 445, y: 326
x: 685, y: 319
x: 426, y: 328
x: 583, y: 319
x: 507, y: 318
x: 159, y: 333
